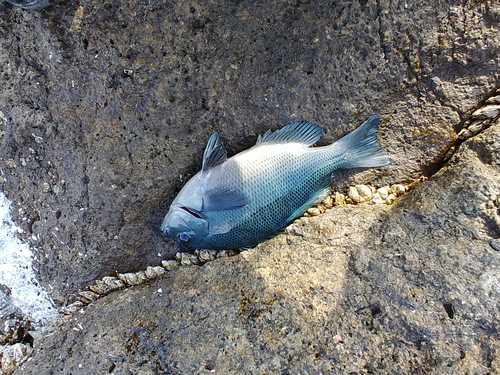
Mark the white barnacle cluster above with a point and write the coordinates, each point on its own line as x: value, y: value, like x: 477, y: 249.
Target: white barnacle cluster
x: 123, y: 280
x: 364, y: 194
x: 369, y: 194
x: 13, y: 355
x: 482, y: 117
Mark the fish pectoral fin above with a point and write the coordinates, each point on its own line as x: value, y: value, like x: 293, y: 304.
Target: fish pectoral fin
x: 223, y: 200
x: 298, y: 131
x: 214, y: 154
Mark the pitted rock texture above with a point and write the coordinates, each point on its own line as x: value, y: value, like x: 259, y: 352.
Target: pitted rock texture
x: 407, y: 289
x: 107, y: 105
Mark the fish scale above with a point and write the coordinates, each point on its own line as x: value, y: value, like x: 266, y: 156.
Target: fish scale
x: 238, y: 202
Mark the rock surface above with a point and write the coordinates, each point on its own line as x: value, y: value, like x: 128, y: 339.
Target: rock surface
x: 412, y: 288
x: 105, y: 109
x: 106, y: 105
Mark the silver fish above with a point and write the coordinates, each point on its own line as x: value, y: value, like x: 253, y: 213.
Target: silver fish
x: 238, y: 202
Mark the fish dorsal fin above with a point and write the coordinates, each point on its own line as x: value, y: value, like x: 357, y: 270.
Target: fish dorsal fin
x: 298, y: 131
x: 214, y: 154
x: 223, y: 199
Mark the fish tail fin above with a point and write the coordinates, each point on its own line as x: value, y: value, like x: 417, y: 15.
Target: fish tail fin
x: 361, y: 148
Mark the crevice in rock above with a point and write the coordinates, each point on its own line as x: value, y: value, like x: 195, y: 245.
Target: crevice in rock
x: 450, y: 310
x: 487, y: 113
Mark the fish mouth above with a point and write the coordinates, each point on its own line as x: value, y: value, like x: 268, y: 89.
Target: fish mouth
x: 165, y: 231
x: 180, y: 225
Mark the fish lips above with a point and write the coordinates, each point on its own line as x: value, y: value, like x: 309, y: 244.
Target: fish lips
x: 173, y: 225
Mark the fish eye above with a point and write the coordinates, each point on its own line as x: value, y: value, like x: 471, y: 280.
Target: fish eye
x: 184, y: 237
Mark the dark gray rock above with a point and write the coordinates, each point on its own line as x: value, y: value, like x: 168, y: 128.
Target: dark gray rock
x: 107, y: 105
x: 412, y: 289
x: 30, y: 4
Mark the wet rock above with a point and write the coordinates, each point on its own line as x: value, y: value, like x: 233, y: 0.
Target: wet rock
x: 12, y: 356
x: 13, y: 328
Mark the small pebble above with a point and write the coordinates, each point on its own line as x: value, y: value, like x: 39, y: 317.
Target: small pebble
x: 364, y: 192
x: 383, y: 192
x: 390, y: 199
x: 88, y: 295
x: 377, y: 199
x: 490, y: 111
x: 194, y: 259
x: 339, y: 199
x: 476, y: 127
x: 169, y: 264
x: 354, y: 195
x: 328, y: 202
x: 493, y: 100
x: 315, y: 211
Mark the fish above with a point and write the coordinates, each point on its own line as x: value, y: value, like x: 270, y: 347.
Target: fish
x: 238, y: 202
